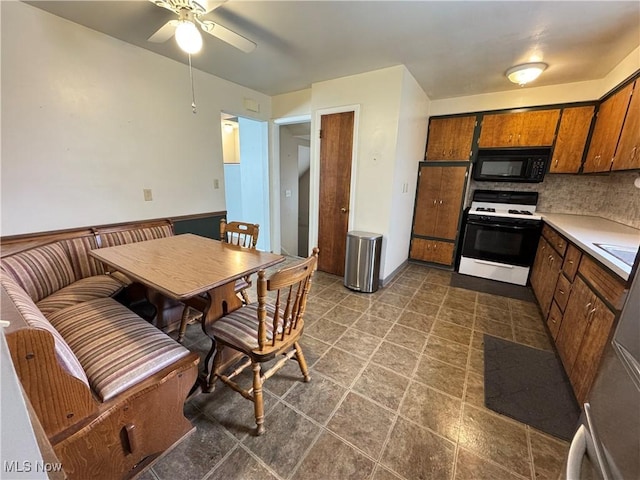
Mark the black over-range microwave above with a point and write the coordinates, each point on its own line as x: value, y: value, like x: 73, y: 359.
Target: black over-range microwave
x: 511, y: 164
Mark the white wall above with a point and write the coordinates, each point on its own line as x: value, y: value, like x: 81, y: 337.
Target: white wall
x: 378, y: 96
x: 292, y: 104
x: 89, y: 121
x: 410, y: 148
x: 533, y: 96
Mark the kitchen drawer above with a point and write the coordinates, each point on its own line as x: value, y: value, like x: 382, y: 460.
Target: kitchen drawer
x: 554, y: 238
x: 608, y: 285
x: 571, y: 262
x: 561, y: 295
x: 554, y: 320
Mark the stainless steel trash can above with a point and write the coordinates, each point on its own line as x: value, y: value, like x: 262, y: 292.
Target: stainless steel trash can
x: 362, y: 262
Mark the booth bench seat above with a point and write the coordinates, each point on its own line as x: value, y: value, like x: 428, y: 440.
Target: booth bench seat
x: 107, y: 386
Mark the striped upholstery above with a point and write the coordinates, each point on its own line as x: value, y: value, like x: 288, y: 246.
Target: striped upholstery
x: 90, y: 288
x: 41, y: 270
x: 78, y: 250
x: 112, y: 239
x: 240, y: 327
x: 35, y: 319
x: 116, y: 348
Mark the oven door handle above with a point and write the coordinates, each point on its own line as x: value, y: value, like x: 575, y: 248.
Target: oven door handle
x: 498, y: 225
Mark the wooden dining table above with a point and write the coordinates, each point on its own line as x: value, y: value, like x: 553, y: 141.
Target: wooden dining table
x: 197, y: 271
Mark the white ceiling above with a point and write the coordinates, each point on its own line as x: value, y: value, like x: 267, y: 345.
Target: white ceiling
x: 452, y: 48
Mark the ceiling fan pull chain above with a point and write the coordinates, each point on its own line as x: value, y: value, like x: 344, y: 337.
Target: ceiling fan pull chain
x: 193, y: 93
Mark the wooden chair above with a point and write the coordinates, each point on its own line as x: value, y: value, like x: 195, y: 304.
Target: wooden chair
x: 263, y: 331
x: 244, y: 235
x: 234, y: 233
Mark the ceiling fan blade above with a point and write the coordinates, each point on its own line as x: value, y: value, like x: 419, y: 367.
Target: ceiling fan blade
x: 226, y: 35
x: 165, y: 32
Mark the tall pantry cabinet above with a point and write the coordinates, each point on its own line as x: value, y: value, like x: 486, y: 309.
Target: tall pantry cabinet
x: 442, y: 181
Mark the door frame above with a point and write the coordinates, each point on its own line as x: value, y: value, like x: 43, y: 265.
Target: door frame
x: 314, y: 187
x: 274, y: 173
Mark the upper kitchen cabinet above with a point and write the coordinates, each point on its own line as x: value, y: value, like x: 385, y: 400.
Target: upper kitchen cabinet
x: 522, y: 129
x: 450, y: 138
x: 572, y: 139
x: 606, y: 132
x: 627, y: 154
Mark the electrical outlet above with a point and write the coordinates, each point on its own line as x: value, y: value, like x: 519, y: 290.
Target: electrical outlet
x: 216, y: 183
x: 148, y: 196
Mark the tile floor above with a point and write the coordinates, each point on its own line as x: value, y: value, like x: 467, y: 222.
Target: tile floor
x: 396, y: 393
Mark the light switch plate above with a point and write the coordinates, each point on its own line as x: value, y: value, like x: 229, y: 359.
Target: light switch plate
x: 148, y: 196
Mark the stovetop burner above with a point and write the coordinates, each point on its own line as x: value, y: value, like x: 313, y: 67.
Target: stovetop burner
x: 520, y: 212
x: 485, y: 209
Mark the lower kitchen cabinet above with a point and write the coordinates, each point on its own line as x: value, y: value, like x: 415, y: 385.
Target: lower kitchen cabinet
x: 432, y: 251
x: 579, y: 300
x: 585, y: 328
x: 544, y: 274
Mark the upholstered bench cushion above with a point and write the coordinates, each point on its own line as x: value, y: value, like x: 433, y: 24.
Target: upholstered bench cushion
x: 112, y: 239
x: 90, y: 288
x: 35, y: 319
x: 40, y: 271
x: 83, y: 264
x: 240, y: 327
x: 116, y: 348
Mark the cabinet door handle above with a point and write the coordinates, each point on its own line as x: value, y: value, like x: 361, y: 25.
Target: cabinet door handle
x: 561, y: 291
x: 435, y: 201
x: 591, y: 313
x: 570, y: 262
x: 586, y: 308
x: 441, y: 202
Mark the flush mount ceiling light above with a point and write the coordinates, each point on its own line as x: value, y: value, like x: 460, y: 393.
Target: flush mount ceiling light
x: 525, y: 73
x: 187, y: 34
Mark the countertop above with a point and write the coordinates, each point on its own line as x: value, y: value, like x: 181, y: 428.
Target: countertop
x: 586, y: 231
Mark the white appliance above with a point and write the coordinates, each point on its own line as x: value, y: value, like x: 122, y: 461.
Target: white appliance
x: 501, y: 234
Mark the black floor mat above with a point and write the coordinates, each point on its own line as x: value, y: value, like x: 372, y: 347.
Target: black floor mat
x: 493, y: 287
x: 530, y: 386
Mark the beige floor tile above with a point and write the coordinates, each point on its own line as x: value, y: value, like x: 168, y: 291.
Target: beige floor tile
x: 332, y: 458
x: 363, y: 423
x: 340, y: 366
x: 491, y: 436
x: 417, y: 321
x: 447, y: 351
x: 400, y: 360
x: 472, y: 467
x: 356, y: 301
x: 452, y: 332
x: 407, y: 337
x: 533, y: 338
x: 343, y: 315
x: 358, y: 343
x: 384, y: 311
x: 549, y: 455
x: 382, y: 386
x: 373, y: 325
x: 440, y: 375
x: 457, y: 317
x: 432, y: 409
x: 495, y: 301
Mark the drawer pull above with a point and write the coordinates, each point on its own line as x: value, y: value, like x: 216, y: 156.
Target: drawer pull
x: 131, y: 437
x: 561, y: 291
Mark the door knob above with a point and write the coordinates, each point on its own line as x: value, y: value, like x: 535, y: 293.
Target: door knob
x: 343, y: 210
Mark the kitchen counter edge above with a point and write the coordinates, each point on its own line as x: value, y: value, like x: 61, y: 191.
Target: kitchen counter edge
x: 586, y: 230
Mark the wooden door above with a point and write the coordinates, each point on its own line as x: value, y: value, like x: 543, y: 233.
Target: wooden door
x: 574, y: 324
x: 521, y: 129
x: 544, y: 274
x: 450, y: 138
x: 538, y: 128
x: 599, y: 322
x: 336, y: 150
x: 450, y: 202
x: 427, y: 199
x: 628, y: 152
x: 572, y: 138
x: 607, y: 131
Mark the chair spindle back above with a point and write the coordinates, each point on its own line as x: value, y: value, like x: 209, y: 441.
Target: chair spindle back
x: 239, y: 233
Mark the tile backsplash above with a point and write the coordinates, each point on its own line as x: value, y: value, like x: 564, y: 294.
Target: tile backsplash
x: 612, y: 196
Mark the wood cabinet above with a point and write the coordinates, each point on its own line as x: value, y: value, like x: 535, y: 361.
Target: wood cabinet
x: 606, y: 132
x: 521, y: 129
x: 432, y: 251
x: 439, y: 201
x: 544, y: 274
x: 437, y: 212
x: 585, y: 328
x: 579, y: 300
x: 450, y: 139
x: 572, y: 139
x: 628, y: 152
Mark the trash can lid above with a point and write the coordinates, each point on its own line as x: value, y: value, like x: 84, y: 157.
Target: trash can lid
x: 368, y: 235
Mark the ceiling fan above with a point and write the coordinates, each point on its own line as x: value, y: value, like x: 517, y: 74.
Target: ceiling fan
x: 185, y: 27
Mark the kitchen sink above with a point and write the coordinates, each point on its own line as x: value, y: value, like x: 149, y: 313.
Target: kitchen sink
x: 625, y: 254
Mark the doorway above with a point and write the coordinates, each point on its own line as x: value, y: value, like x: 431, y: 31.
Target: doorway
x: 295, y: 159
x: 246, y: 173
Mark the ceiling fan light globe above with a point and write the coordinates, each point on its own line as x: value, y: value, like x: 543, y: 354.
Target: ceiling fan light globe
x: 188, y: 37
